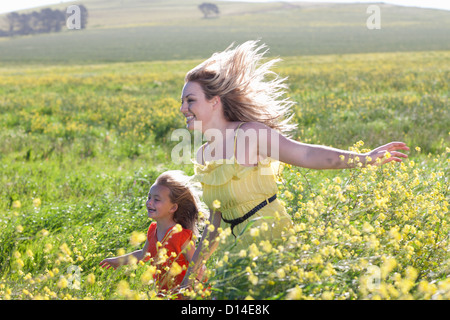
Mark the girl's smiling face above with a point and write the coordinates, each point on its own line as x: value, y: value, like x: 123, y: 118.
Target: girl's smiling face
x: 197, y: 109
x: 159, y: 206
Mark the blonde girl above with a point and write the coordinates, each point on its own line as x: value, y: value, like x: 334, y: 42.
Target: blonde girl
x: 238, y: 104
x: 174, y: 206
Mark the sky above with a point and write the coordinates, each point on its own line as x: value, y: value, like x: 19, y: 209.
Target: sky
x: 13, y: 5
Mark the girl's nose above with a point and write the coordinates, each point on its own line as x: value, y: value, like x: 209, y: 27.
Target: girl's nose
x: 183, y: 107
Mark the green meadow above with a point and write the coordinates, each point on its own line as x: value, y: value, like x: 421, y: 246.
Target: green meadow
x: 126, y: 31
x: 86, y: 121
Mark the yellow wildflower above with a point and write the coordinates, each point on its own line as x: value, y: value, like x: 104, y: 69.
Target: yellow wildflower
x: 16, y: 204
x: 294, y: 293
x: 337, y: 180
x: 65, y: 249
x: 216, y: 204
x: 211, y: 228
x: 281, y: 273
x: 175, y: 269
x: 254, y: 232
x: 254, y: 252
x: 123, y: 288
x: 266, y: 246
x: 253, y: 279
x: 90, y: 279
x: 37, y: 202
x: 288, y: 195
x: 176, y: 229
x: 147, y: 276
x: 62, y: 283
x: 327, y: 295
x: 367, y: 227
x: 137, y: 238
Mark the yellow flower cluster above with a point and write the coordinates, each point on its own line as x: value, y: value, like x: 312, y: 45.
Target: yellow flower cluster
x: 372, y: 233
x: 368, y: 233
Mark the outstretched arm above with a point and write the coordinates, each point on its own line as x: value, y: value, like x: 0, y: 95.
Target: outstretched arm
x: 116, y: 262
x: 270, y: 143
x: 322, y: 157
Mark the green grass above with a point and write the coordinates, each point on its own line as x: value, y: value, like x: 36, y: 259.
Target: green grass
x: 167, y: 30
x: 89, y: 140
x: 85, y: 123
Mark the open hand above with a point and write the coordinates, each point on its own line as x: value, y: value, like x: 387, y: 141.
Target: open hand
x: 110, y: 263
x: 390, y: 148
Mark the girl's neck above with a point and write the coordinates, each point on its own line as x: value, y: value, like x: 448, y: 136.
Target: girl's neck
x: 220, y: 143
x: 220, y: 132
x: 215, y: 127
x: 162, y: 227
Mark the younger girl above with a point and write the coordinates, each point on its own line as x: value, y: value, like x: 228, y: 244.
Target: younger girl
x: 174, y: 207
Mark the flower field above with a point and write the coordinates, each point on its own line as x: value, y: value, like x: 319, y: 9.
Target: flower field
x: 81, y: 145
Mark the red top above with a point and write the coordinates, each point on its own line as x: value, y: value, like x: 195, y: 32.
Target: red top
x: 173, y: 243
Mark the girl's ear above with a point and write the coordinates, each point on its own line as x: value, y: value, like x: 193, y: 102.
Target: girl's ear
x: 215, y: 101
x: 174, y: 208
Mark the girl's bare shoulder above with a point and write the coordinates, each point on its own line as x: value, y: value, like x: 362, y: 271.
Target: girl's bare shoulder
x: 254, y: 125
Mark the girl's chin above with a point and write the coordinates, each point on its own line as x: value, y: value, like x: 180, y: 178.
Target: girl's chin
x: 194, y: 125
x: 190, y: 125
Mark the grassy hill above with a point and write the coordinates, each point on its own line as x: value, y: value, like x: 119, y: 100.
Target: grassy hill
x: 121, y: 31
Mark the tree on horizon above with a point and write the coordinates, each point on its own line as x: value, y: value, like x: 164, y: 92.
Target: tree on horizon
x: 209, y: 9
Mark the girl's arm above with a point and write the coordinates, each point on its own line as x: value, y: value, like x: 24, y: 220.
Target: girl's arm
x: 322, y: 157
x: 208, y: 244
x: 270, y: 143
x: 116, y: 262
x: 189, y: 250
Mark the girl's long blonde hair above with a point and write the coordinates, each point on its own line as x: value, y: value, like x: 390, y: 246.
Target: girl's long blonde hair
x: 239, y: 78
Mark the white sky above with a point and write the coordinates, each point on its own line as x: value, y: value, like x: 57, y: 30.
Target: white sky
x: 13, y: 5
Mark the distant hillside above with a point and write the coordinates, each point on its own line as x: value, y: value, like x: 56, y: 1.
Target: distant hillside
x: 138, y: 30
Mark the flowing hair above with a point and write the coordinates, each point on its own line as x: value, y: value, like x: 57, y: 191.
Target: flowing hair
x: 186, y: 195
x: 239, y: 78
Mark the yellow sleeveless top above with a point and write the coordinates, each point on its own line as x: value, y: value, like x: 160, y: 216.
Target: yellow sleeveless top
x: 239, y: 189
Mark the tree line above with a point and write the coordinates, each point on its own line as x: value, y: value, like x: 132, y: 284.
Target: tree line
x: 44, y: 21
